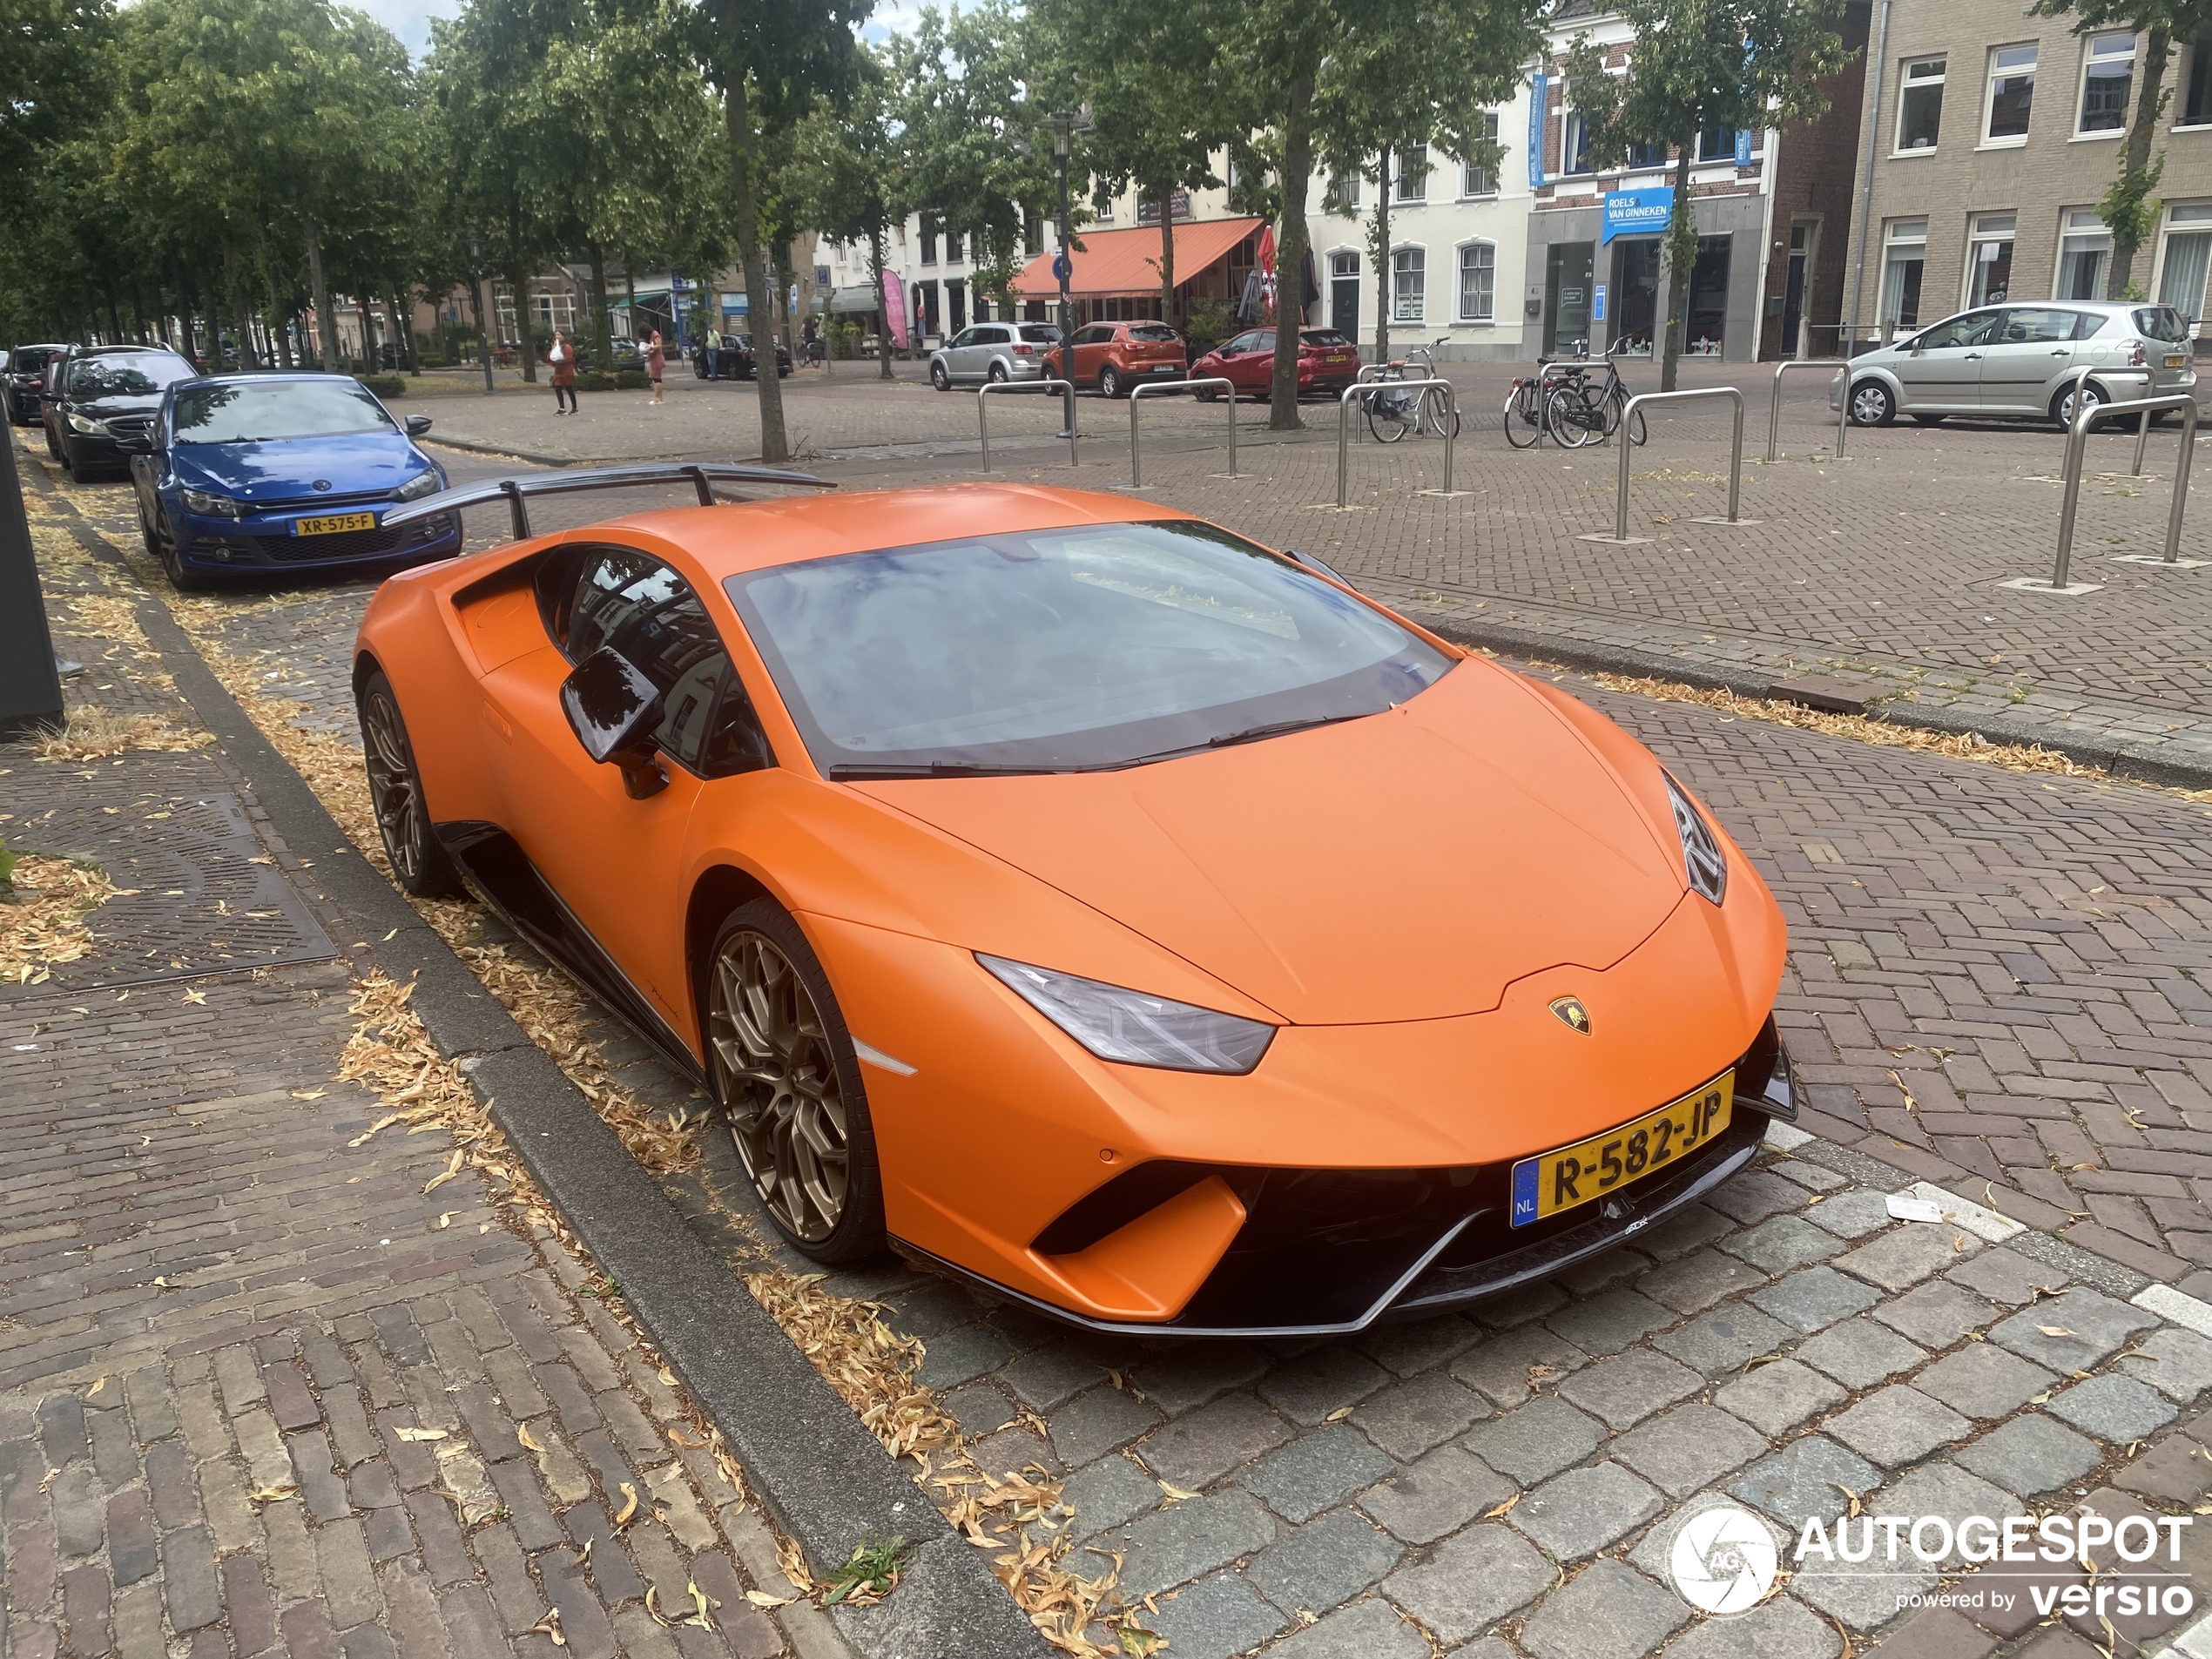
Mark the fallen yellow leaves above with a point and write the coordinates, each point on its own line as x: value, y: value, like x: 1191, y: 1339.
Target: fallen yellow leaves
x: 99, y: 734
x: 44, y: 925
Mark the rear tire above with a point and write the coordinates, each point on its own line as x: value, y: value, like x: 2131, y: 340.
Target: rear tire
x: 2062, y: 405
x: 1524, y: 420
x: 418, y: 858
x: 1207, y: 394
x: 781, y: 1065
x: 998, y: 374
x: 1873, y: 404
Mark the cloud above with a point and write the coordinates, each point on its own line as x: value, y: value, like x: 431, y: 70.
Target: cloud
x: 409, y: 19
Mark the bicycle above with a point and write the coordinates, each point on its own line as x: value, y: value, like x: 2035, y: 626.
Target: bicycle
x: 1391, y: 415
x: 1566, y: 405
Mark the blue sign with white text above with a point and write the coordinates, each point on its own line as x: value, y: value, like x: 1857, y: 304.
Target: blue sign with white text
x: 1743, y: 147
x: 1637, y: 212
x: 1539, y: 88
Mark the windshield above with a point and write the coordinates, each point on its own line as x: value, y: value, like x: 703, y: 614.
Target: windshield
x: 126, y: 376
x: 1098, y: 646
x: 252, y: 412
x: 2161, y: 322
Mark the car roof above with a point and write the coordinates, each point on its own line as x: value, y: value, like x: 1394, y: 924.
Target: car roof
x: 127, y: 351
x: 739, y: 538
x: 258, y: 377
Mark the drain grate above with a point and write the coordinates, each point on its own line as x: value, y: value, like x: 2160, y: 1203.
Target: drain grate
x: 201, y: 905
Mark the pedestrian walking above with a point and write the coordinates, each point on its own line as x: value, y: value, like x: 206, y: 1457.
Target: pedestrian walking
x: 561, y: 357
x: 656, y: 360
x: 713, y: 353
x: 809, y: 343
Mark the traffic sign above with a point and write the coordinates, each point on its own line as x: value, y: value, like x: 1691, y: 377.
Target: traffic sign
x: 1062, y: 268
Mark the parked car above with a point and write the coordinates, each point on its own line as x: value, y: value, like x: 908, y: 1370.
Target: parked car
x: 288, y: 471
x: 24, y: 379
x: 738, y: 360
x: 937, y: 833
x: 993, y: 351
x: 1327, y: 362
x: 2019, y: 359
x: 1115, y: 356
x: 102, y: 395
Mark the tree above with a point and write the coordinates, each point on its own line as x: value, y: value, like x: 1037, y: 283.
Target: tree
x: 1700, y: 67
x: 772, y: 61
x: 1324, y: 73
x: 848, y: 178
x: 2128, y: 207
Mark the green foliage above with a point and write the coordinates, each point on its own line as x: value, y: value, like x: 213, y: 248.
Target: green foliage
x: 876, y: 1567
x: 591, y: 380
x: 384, y: 384
x: 2128, y: 207
x: 632, y: 379
x: 1208, y: 321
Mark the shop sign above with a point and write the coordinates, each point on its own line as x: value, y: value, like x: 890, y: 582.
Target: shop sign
x: 1539, y: 89
x: 1637, y: 212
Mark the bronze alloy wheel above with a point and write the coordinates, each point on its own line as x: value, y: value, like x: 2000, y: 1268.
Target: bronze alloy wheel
x: 418, y: 862
x: 777, y: 1075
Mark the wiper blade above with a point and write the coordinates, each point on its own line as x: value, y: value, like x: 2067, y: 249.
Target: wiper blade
x: 1276, y: 728
x: 863, y: 773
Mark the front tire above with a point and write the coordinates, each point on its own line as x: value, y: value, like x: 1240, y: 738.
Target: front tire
x: 1571, y: 425
x: 418, y: 860
x: 1873, y: 404
x: 1109, y: 383
x: 939, y: 378
x: 781, y: 1064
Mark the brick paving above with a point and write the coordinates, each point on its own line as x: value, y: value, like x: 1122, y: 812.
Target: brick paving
x: 1996, y: 984
x: 260, y: 1391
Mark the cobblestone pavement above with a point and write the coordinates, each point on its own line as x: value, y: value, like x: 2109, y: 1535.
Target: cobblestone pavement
x: 267, y: 1385
x: 1996, y: 985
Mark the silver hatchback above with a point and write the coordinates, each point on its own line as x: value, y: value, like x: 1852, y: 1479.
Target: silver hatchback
x: 2021, y: 359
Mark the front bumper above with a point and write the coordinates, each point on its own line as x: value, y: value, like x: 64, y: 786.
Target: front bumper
x: 266, y: 542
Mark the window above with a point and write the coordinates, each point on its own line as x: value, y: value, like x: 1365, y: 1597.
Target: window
x: 1342, y: 196
x: 1408, y: 284
x: 1905, y: 255
x: 1102, y: 209
x: 952, y: 247
x: 1574, y: 143
x: 1644, y: 155
x: 2107, y: 76
x: 1719, y: 145
x: 1989, y: 259
x: 1961, y: 332
x: 2011, y: 91
x: 2035, y: 326
x: 1411, y: 184
x: 1032, y: 233
x: 1477, y: 282
x: 1920, y: 113
x: 2188, y: 255
x: 928, y: 240
x: 1481, y: 181
x: 2196, y: 92
x: 2083, y: 250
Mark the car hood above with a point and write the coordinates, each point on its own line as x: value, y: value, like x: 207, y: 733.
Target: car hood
x: 107, y: 408
x: 285, y: 469
x: 1407, y: 866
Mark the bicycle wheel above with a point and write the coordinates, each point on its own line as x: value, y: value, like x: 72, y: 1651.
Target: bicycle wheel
x: 1572, y: 422
x: 1524, y: 418
x: 1638, y: 432
x: 1388, y: 418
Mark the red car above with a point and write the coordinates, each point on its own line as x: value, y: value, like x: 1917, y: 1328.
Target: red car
x: 1113, y: 356
x: 1327, y: 362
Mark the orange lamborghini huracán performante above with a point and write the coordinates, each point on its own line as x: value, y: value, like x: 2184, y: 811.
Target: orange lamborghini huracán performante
x: 1129, y: 917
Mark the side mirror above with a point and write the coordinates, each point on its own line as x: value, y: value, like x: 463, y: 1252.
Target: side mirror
x: 417, y: 425
x: 614, y: 710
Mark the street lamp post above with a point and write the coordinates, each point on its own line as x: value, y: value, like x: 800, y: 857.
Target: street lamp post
x: 1065, y: 124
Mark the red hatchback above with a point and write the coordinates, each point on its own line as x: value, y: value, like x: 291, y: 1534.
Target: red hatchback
x: 1327, y: 362
x: 1113, y: 356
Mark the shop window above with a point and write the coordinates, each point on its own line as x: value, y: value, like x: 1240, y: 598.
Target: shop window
x: 1920, y: 113
x: 2108, y: 78
x: 1705, y: 321
x: 1408, y: 284
x: 1719, y: 145
x: 1903, y: 257
x: 2011, y: 92
x: 1989, y: 259
x: 1477, y: 282
x: 2084, y: 251
x: 1574, y: 143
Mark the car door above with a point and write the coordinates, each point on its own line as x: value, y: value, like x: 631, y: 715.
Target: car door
x: 2030, y: 349
x: 960, y: 354
x: 615, y: 866
x: 1943, y: 371
x: 1253, y: 367
x: 1090, y: 348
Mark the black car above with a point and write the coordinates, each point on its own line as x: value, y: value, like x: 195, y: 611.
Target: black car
x: 104, y: 395
x: 737, y: 359
x: 21, y: 380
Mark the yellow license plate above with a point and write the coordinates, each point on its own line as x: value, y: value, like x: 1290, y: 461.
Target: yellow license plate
x: 2177, y: 363
x: 335, y: 521
x: 1552, y: 1182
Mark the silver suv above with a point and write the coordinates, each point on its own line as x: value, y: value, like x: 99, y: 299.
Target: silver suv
x: 993, y: 351
x: 2021, y: 359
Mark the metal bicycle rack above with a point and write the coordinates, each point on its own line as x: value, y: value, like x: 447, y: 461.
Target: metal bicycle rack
x: 1774, y: 405
x: 1066, y: 388
x: 1421, y: 390
x: 1136, y: 474
x: 2077, y: 444
x: 1621, y: 536
x: 1544, y: 373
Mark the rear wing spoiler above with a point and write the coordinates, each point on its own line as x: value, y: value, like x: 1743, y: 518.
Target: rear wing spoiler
x: 702, y: 476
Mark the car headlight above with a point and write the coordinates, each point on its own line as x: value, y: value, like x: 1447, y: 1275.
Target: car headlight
x: 85, y: 424
x: 421, y: 484
x: 1701, y: 848
x: 199, y: 500
x: 1133, y: 1028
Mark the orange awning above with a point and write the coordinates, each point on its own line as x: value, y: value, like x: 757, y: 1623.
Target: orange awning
x: 1127, y: 262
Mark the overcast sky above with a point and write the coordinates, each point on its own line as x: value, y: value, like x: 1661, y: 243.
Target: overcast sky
x: 410, y: 19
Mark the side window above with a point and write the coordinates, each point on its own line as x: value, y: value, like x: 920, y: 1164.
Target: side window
x: 650, y: 614
x: 965, y: 337
x: 2089, y: 323
x: 1972, y: 330
x: 2028, y: 327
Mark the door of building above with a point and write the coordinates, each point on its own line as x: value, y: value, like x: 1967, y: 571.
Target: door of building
x: 1635, y: 295
x: 1567, y: 297
x: 1705, y: 319
x: 957, y: 303
x: 1793, y: 295
x: 1343, y: 295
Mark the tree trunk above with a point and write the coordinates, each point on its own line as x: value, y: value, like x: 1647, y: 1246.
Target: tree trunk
x: 279, y: 328
x: 1289, y: 254
x: 2149, y: 99
x: 882, y: 305
x: 325, y: 324
x: 476, y: 305
x: 745, y: 144
x: 1682, y: 233
x: 402, y: 335
x: 1380, y: 254
x: 525, y: 332
x: 1167, y: 254
x: 602, y: 327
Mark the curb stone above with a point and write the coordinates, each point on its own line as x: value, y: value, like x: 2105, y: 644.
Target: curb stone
x: 826, y: 1480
